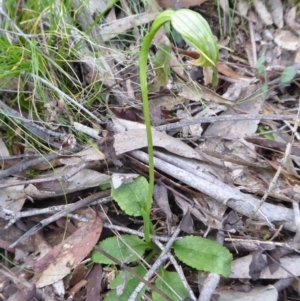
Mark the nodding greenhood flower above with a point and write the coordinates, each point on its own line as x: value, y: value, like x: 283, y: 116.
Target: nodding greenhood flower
x: 195, y: 31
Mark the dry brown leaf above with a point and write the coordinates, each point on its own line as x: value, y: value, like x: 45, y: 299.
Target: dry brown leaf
x: 136, y: 139
x: 132, y: 136
x: 10, y: 235
x: 276, y: 10
x: 59, y: 262
x: 83, y: 179
x: 3, y: 149
x: 160, y: 195
x: 291, y: 19
x: 187, y: 223
x: 286, y: 40
x: 94, y: 286
x: 122, y: 178
x: 12, y: 198
x: 243, y: 8
x: 257, y: 264
x: 186, y: 207
x: 91, y: 154
x: 263, y: 12
x: 285, y: 173
x: 197, y: 92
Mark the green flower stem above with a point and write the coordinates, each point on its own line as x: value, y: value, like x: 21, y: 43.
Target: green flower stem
x: 143, y: 58
x: 143, y: 81
x: 196, y: 32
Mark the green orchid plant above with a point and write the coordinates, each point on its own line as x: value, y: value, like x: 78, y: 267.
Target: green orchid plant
x: 196, y: 32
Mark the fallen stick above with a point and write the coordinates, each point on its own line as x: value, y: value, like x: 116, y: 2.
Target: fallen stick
x: 225, y: 194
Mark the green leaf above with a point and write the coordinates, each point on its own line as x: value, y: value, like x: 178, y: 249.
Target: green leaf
x: 260, y: 65
x: 262, y: 130
x: 260, y: 62
x: 264, y: 90
x: 130, y: 285
x: 288, y: 74
x: 169, y: 280
x: 105, y: 185
x: 132, y: 197
x: 203, y: 254
x: 120, y: 250
x: 162, y: 64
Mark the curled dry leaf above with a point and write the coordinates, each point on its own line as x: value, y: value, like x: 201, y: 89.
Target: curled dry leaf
x: 160, y: 194
x: 258, y: 263
x: 232, y: 222
x: 186, y: 207
x: 187, y: 223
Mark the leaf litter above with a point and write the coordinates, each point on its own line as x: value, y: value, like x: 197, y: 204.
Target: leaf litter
x: 68, y: 134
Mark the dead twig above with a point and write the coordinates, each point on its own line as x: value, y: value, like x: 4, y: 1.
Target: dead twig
x: 13, y: 216
x: 38, y: 292
x: 23, y: 166
x: 57, y: 178
x: 159, y: 261
x: 134, y: 232
x: 212, y: 279
x: 221, y: 192
x: 55, y: 217
x: 175, y: 125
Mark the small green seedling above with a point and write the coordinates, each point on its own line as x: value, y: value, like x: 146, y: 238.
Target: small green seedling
x: 288, y: 75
